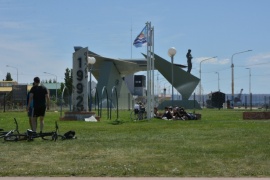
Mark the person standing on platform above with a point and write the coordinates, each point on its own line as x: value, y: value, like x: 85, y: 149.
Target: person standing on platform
x: 189, y: 58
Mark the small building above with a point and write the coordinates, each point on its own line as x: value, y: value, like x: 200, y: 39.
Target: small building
x: 13, y: 94
x: 52, y: 87
x: 215, y: 100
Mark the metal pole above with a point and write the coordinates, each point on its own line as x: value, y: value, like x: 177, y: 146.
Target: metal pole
x: 218, y: 80
x: 62, y: 98
x: 218, y: 83
x: 90, y: 89
x: 200, y: 86
x: 171, y: 53
x: 232, y: 66
x: 172, y: 79
x: 56, y: 88
x: 249, y: 80
x: 250, y: 101
x: 200, y: 83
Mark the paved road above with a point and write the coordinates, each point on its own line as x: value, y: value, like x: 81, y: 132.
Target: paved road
x: 127, y: 178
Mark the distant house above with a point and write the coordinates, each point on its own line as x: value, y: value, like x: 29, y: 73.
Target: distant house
x: 6, y: 86
x: 215, y: 100
x: 13, y: 92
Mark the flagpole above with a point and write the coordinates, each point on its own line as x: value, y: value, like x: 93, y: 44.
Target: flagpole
x: 153, y: 68
x: 131, y: 41
x: 148, y: 75
x: 150, y: 71
x: 146, y: 38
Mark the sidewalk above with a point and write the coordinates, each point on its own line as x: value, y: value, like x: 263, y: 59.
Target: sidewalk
x: 130, y: 178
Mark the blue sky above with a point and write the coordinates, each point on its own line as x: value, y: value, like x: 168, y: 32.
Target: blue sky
x: 38, y: 36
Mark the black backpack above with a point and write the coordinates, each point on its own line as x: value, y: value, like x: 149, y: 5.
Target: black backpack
x: 70, y: 135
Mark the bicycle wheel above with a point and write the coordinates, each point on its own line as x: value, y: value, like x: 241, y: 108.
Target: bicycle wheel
x: 3, y: 134
x: 58, y: 137
x: 16, y: 137
x: 133, y: 116
x: 47, y: 135
x: 142, y: 115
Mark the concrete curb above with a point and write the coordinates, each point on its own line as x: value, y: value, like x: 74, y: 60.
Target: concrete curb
x: 132, y: 178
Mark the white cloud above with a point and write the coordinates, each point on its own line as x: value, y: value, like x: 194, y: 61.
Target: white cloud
x: 259, y: 58
x: 224, y: 61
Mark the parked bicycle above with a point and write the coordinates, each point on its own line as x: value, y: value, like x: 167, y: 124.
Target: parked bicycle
x: 53, y: 135
x: 6, y: 133
x: 136, y: 115
x: 30, y: 135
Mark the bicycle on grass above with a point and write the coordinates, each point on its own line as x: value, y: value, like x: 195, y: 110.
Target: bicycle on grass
x: 30, y: 135
x: 136, y: 115
x: 6, y: 133
x: 53, y: 135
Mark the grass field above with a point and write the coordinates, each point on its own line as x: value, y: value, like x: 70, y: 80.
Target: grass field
x: 219, y: 145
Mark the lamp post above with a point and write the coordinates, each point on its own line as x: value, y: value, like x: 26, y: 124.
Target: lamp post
x: 250, y: 95
x: 55, y: 84
x: 201, y: 75
x: 171, y: 53
x: 218, y: 80
x: 232, y: 66
x: 91, y: 61
x: 249, y: 80
x: 16, y: 70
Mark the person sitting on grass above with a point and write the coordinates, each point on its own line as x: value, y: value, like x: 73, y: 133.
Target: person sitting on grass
x: 156, y: 113
x: 167, y: 114
x: 187, y: 116
x: 137, y: 107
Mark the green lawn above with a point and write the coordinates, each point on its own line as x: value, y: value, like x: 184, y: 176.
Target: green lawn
x: 219, y: 145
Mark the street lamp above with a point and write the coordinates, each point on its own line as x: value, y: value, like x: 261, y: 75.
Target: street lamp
x: 17, y: 72
x: 201, y: 75
x: 249, y: 80
x: 171, y: 53
x: 232, y: 66
x: 218, y: 80
x: 55, y: 84
x: 91, y: 61
x: 250, y: 95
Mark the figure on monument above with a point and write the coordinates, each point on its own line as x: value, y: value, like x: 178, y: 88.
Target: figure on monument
x: 189, y: 57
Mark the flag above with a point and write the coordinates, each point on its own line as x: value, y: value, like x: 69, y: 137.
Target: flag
x: 141, y: 39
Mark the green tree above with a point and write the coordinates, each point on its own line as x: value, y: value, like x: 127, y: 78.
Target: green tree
x: 68, y: 84
x: 8, y: 77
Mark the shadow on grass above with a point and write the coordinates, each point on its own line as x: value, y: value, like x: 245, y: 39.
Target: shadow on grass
x: 116, y: 122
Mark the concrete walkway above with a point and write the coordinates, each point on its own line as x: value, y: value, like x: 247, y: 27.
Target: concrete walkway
x: 130, y: 178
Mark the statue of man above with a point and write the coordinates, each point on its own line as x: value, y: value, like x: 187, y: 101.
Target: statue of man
x: 189, y: 57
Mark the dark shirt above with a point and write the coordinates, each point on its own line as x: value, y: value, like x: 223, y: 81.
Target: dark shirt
x: 167, y: 114
x: 39, y: 96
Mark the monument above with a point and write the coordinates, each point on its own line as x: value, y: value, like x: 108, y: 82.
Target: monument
x: 110, y: 74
